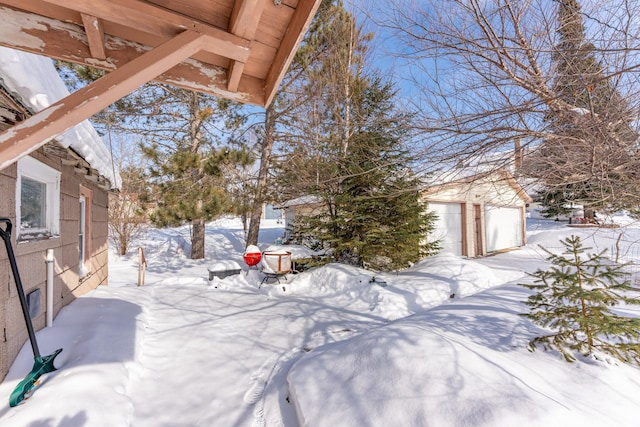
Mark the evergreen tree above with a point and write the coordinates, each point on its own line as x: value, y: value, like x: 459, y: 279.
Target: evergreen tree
x: 352, y: 142
x: 332, y: 66
x: 352, y: 152
x: 190, y: 155
x: 280, y: 119
x: 588, y: 158
x: 379, y: 219
x: 575, y: 298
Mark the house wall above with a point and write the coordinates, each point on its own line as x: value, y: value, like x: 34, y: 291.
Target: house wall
x: 492, y: 190
x: 30, y: 255
x: 269, y: 211
x: 292, y: 218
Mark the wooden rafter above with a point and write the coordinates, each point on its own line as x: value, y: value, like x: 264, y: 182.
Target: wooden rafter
x: 234, y: 74
x: 249, y: 43
x: 95, y: 35
x: 295, y: 32
x: 244, y: 21
x: 161, y: 22
x: 235, y: 49
x: 66, y: 41
x: 50, y: 122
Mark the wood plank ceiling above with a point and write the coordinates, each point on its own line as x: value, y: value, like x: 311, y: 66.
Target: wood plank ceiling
x: 236, y: 49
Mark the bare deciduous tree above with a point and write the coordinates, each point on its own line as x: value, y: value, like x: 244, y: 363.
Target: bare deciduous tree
x: 127, y: 219
x: 486, y: 77
x: 127, y: 222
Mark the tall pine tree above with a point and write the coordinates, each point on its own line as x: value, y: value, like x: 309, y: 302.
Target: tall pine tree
x: 379, y: 219
x: 189, y: 142
x: 590, y: 157
x: 350, y: 143
x: 280, y: 119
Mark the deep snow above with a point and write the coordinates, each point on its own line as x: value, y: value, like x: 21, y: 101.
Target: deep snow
x: 439, y: 344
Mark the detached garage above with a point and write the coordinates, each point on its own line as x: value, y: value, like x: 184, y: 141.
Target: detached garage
x: 479, y: 214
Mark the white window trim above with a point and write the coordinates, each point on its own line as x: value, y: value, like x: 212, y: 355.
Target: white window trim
x: 38, y: 171
x: 85, y: 221
x: 81, y: 232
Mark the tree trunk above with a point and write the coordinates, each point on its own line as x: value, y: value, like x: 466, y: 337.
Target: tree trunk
x: 197, y: 239
x: 261, y: 183
x: 244, y: 225
x: 346, y: 130
x: 254, y: 225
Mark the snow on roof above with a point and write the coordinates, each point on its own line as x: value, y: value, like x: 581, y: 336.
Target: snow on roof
x: 36, y: 82
x: 497, y: 165
x: 478, y: 164
x: 303, y: 200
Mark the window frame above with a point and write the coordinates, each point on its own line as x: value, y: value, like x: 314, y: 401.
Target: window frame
x: 85, y: 201
x: 35, y: 170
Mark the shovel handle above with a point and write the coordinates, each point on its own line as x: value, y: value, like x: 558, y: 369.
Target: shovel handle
x: 6, y: 236
x: 8, y: 226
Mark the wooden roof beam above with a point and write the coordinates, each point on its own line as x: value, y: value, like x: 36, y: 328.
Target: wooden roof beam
x: 245, y: 17
x: 234, y: 74
x: 34, y: 132
x: 244, y: 21
x: 95, y: 36
x: 298, y: 26
x: 67, y: 42
x: 144, y: 16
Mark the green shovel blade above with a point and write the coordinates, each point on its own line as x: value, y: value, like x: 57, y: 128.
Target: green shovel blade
x: 41, y: 366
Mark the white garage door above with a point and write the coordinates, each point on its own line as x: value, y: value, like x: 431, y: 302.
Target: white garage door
x: 504, y: 227
x: 448, y: 226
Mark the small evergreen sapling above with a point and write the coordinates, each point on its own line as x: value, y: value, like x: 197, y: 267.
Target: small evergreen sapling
x: 574, y: 298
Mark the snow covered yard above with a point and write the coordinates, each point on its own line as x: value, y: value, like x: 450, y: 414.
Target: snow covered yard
x: 328, y: 347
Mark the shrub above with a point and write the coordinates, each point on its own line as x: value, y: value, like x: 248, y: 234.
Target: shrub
x: 574, y: 298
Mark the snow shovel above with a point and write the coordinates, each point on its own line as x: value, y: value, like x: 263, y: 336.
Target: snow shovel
x: 41, y: 365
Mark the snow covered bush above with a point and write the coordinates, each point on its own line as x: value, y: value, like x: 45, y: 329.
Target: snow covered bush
x: 576, y: 297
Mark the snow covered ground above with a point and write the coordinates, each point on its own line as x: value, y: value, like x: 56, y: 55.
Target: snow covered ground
x: 441, y: 344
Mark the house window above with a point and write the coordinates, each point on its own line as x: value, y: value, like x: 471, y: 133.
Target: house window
x: 82, y: 235
x: 84, y: 231
x: 38, y: 200
x: 33, y: 198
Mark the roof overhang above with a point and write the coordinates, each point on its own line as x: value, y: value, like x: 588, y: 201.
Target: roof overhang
x: 235, y: 49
